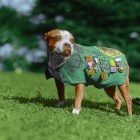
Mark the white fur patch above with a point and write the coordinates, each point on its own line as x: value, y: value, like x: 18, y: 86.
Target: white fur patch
x: 74, y: 111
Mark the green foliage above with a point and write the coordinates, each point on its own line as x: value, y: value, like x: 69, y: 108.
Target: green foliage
x: 27, y: 111
x: 90, y: 21
x: 15, y: 30
x: 106, y: 23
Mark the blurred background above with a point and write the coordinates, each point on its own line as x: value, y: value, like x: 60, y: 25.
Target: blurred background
x: 109, y: 23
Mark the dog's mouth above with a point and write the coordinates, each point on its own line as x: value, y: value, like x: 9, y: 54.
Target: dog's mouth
x: 65, y: 53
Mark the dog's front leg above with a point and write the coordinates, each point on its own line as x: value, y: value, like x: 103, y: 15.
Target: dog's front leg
x: 61, y: 92
x: 79, y: 91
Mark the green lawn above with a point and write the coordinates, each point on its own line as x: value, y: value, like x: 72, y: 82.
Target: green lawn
x: 28, y: 112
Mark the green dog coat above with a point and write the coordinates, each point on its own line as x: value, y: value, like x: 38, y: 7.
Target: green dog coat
x: 75, y: 70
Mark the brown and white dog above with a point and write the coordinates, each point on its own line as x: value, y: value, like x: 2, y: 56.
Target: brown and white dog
x: 60, y: 43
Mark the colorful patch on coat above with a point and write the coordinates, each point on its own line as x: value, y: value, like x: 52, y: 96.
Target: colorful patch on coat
x: 112, y: 63
x: 89, y: 64
x: 118, y: 63
x: 112, y: 69
x: 95, y: 59
x: 109, y: 52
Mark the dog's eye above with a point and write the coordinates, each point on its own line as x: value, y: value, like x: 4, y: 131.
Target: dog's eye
x: 57, y: 37
x: 72, y: 40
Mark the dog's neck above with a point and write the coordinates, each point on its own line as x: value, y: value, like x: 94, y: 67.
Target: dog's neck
x: 56, y: 61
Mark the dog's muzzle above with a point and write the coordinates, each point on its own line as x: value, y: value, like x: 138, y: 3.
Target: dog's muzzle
x: 67, y: 44
x: 67, y: 49
x: 63, y: 52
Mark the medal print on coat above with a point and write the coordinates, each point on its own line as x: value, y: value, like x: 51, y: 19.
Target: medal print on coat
x: 117, y: 60
x: 95, y: 59
x: 103, y: 74
x: 89, y: 64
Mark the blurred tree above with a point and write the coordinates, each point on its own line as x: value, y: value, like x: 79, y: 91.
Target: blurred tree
x: 11, y: 32
x: 97, y: 22
x: 92, y: 22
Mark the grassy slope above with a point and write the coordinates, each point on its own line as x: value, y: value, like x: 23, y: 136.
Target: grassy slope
x: 27, y: 111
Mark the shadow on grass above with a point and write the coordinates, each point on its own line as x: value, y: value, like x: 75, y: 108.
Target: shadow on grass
x: 50, y: 102
x: 135, y: 107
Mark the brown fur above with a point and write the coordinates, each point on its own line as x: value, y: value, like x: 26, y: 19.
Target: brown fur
x: 79, y: 88
x: 60, y: 89
x: 52, y: 41
x: 66, y: 48
x: 124, y: 90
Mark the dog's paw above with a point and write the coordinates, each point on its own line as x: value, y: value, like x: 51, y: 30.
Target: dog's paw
x: 60, y: 102
x: 74, y: 111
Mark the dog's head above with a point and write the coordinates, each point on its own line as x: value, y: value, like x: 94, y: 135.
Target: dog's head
x: 60, y: 42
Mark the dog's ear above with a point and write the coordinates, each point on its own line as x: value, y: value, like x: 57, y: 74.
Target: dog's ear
x: 46, y: 36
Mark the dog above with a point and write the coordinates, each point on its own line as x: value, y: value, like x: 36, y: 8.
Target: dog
x: 73, y: 64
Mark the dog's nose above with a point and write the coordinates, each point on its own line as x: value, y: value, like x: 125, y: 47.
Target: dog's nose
x: 67, y: 44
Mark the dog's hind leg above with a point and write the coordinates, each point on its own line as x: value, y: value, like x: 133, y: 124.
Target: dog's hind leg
x: 61, y: 92
x: 124, y: 90
x: 112, y: 93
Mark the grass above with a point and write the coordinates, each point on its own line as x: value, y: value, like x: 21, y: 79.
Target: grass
x: 28, y: 112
